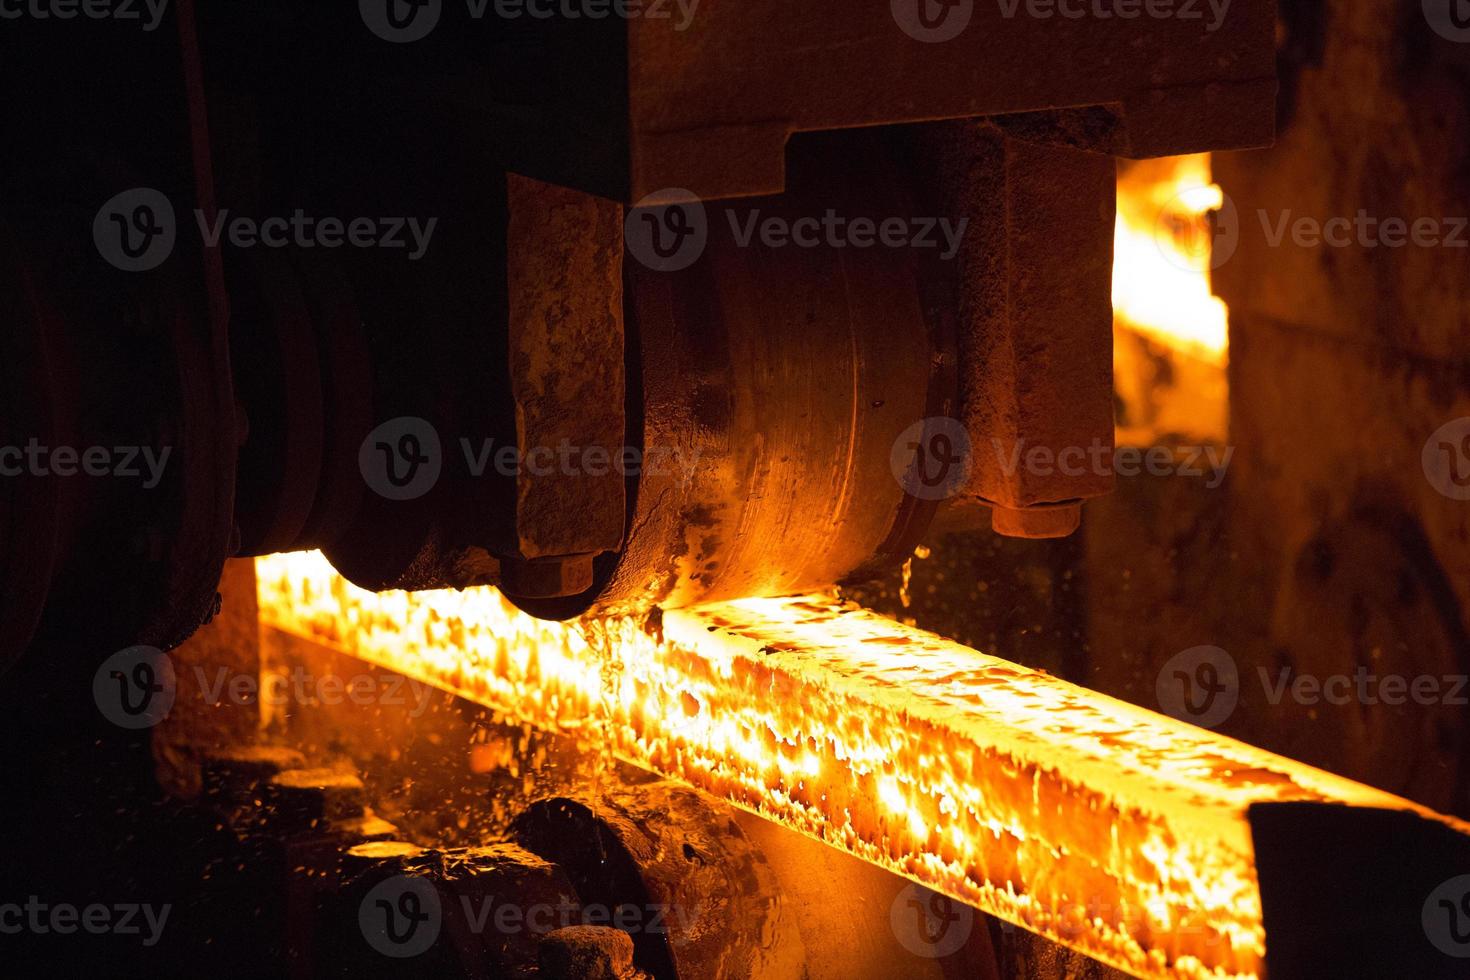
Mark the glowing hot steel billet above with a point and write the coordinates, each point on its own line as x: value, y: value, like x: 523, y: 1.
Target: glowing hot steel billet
x: 1113, y: 830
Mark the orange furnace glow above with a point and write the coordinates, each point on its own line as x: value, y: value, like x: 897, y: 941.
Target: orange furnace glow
x: 1162, y: 255
x: 1170, y: 333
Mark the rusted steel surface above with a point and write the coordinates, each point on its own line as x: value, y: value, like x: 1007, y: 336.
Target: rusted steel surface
x: 467, y: 885
x: 564, y: 258
x: 708, y: 102
x: 588, y: 953
x: 1035, y: 320
x: 707, y: 902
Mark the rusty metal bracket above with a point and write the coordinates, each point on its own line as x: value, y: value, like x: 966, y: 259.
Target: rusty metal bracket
x: 1035, y: 320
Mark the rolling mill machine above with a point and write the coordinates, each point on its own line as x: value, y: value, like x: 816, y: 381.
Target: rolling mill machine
x: 544, y: 377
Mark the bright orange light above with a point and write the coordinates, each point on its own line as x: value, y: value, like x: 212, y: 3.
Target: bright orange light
x: 1170, y: 333
x: 1113, y: 830
x: 1161, y: 267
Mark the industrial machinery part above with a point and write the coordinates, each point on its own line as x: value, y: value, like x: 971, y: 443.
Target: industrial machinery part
x: 662, y: 848
x: 352, y: 403
x: 775, y: 384
x: 1152, y: 845
x: 524, y: 322
x: 709, y: 105
x: 100, y: 360
x: 656, y: 879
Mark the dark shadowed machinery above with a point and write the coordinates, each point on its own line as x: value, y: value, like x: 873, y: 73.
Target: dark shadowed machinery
x: 438, y: 433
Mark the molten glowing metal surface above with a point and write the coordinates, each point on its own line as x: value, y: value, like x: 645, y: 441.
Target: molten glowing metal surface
x: 1116, y: 831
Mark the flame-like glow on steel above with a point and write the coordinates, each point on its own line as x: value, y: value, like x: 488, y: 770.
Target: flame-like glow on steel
x: 1113, y: 830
